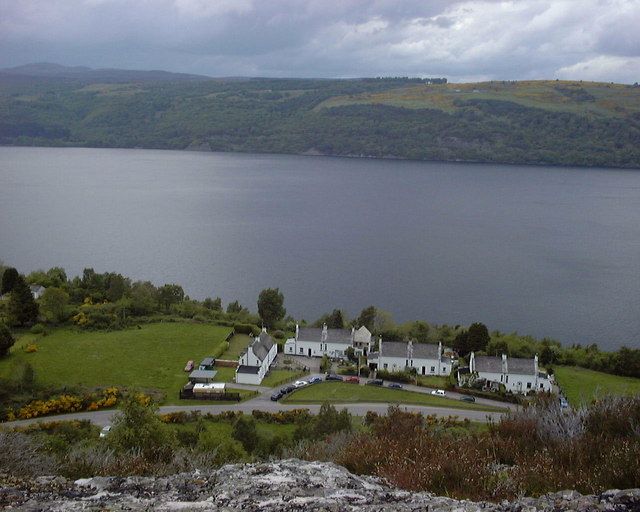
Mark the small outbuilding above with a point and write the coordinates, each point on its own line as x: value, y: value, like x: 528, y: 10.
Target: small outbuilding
x: 207, y: 363
x: 202, y: 376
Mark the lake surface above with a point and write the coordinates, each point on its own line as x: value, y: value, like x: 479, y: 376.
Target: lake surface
x: 544, y: 251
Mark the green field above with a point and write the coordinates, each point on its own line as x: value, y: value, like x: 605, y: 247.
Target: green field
x: 341, y: 392
x: 237, y: 345
x: 582, y: 386
x: 152, y: 357
x: 433, y: 382
x: 276, y: 377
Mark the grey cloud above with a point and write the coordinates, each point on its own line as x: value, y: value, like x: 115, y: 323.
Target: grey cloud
x: 465, y: 38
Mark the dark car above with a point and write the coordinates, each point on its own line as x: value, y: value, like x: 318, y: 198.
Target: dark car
x: 352, y: 380
x: 333, y: 376
x: 313, y: 380
x: 395, y: 385
x: 375, y: 382
x: 277, y: 396
x: 289, y: 389
x: 467, y: 398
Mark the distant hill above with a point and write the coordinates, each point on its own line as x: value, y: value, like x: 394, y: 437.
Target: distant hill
x: 531, y: 122
x: 47, y: 70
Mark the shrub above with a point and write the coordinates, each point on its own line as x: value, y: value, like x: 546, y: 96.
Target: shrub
x: 405, y: 377
x: 37, y: 329
x: 22, y: 455
x: 31, y: 348
x: 278, y: 334
x: 250, y: 329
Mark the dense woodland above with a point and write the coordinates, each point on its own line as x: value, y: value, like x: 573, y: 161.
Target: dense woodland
x: 544, y: 123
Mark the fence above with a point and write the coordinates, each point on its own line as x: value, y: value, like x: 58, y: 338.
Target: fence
x: 226, y: 397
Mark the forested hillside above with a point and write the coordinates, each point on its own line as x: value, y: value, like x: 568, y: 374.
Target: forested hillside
x: 539, y: 122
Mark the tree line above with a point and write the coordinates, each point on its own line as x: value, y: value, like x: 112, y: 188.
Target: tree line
x: 110, y: 300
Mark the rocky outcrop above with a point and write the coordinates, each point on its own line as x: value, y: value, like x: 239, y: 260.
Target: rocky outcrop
x: 288, y: 485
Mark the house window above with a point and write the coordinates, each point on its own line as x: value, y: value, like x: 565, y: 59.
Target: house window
x: 528, y: 385
x: 433, y: 369
x: 501, y: 376
x: 506, y: 379
x: 385, y: 365
x: 444, y: 368
x: 301, y: 350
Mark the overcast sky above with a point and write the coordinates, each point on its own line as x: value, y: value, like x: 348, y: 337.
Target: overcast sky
x: 462, y: 40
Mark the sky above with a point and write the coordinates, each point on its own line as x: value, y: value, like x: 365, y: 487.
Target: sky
x: 466, y: 40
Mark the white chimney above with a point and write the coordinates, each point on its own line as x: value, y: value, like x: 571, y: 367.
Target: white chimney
x: 297, y: 331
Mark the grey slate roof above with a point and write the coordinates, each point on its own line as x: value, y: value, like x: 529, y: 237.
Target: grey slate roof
x: 425, y: 351
x: 394, y: 349
x: 254, y: 370
x: 262, y: 346
x: 488, y: 364
x: 333, y: 335
x: 202, y: 374
x: 207, y: 361
x: 521, y: 366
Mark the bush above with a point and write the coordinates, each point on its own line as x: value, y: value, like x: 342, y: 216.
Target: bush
x: 37, y: 329
x: 31, y: 348
x: 249, y: 329
x: 405, y: 377
x: 279, y: 335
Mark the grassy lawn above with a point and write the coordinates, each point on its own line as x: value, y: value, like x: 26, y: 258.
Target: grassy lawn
x: 152, y: 357
x: 237, y: 345
x: 433, y: 381
x: 277, y: 377
x: 582, y: 386
x: 340, y: 392
x: 225, y: 374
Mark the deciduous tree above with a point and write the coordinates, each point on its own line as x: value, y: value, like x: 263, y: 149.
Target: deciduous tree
x: 271, y: 306
x: 53, y: 302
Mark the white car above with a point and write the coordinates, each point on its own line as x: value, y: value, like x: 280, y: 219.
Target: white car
x: 438, y: 392
x: 105, y: 431
x: 300, y: 383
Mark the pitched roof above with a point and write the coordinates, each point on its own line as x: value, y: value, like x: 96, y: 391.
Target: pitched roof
x: 333, y: 335
x: 488, y: 364
x: 394, y: 349
x: 262, y: 345
x: 207, y: 361
x: 425, y: 351
x: 521, y: 366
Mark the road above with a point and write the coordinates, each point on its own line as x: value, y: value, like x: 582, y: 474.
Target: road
x: 263, y: 403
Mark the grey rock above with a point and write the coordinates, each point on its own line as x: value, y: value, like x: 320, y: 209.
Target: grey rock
x: 283, y: 486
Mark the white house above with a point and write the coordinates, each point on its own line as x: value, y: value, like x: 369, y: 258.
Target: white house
x: 254, y: 364
x: 316, y: 342
x: 425, y: 358
x: 37, y: 290
x: 517, y: 375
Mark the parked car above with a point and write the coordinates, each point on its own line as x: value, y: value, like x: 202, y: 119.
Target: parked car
x: 332, y: 376
x: 352, y: 380
x: 375, y: 382
x: 438, y: 392
x: 314, y: 380
x: 467, y: 398
x: 277, y: 396
x: 189, y: 366
x: 300, y: 383
x: 289, y: 389
x: 105, y: 431
x: 564, y: 404
x: 395, y: 385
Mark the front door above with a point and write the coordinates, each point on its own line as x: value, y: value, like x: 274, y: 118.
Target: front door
x: 309, y: 352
